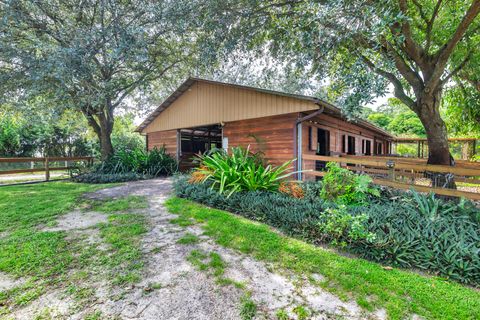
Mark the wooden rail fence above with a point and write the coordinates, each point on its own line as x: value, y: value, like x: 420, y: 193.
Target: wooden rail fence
x: 403, y: 173
x: 45, y: 161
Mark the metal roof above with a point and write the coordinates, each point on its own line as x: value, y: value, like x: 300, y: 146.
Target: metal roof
x: 191, y: 80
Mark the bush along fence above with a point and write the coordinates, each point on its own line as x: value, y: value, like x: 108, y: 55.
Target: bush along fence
x: 404, y: 229
x: 129, y: 165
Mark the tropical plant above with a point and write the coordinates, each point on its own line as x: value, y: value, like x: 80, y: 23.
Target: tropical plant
x: 345, y: 187
x: 153, y: 163
x: 241, y: 170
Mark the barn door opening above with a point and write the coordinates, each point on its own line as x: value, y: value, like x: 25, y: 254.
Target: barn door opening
x: 198, y: 140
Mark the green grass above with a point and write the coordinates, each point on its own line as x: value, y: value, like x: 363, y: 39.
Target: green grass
x: 400, y: 292
x: 123, y: 233
x: 248, y: 308
x: 188, y: 239
x: 25, y: 250
x: 63, y: 259
x: 28, y: 206
x: 214, y: 264
x: 124, y: 204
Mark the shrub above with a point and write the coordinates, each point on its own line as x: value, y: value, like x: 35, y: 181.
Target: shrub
x: 94, y: 177
x: 282, y: 211
x: 345, y: 187
x: 241, y: 170
x: 414, y: 231
x: 341, y: 227
x: 399, y: 228
x: 152, y: 163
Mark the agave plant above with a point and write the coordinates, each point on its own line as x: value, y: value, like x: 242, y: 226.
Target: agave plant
x: 241, y: 170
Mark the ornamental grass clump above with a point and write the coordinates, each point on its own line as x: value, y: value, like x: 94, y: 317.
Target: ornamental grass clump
x: 239, y: 170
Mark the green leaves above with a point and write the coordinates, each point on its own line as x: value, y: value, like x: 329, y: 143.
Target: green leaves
x: 241, y: 170
x: 345, y: 187
x: 395, y: 228
x: 152, y: 163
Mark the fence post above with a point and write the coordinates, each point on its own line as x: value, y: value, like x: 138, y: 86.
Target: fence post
x: 391, y: 169
x: 47, y: 170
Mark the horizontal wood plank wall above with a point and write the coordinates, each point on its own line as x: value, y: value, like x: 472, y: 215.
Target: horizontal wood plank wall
x: 271, y: 135
x: 337, y: 128
x: 163, y: 138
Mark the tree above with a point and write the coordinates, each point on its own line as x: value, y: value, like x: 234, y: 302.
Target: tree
x: 93, y: 55
x: 39, y: 129
x: 380, y: 119
x: 363, y: 45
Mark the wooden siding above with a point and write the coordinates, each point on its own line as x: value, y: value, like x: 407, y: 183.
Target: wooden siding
x: 209, y: 103
x: 163, y: 138
x: 271, y: 135
x: 337, y: 128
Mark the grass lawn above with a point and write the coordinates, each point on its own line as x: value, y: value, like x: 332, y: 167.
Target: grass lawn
x: 372, y: 286
x: 65, y: 259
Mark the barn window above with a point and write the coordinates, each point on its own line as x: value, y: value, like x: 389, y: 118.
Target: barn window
x: 368, y: 148
x: 351, y: 145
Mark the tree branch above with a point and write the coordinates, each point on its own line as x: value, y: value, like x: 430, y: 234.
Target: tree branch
x: 397, y: 84
x: 457, y: 69
x: 430, y: 25
x: 412, y: 77
x: 410, y: 47
x: 444, y: 53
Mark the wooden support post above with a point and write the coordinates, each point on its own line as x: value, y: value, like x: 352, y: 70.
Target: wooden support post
x: 418, y: 149
x: 47, y: 170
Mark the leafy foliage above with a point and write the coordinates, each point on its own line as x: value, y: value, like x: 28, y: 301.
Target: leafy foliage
x: 153, y: 163
x: 91, y: 56
x: 398, y: 228
x: 339, y: 226
x: 94, y: 177
x: 241, y: 170
x: 42, y: 130
x: 423, y: 232
x: 345, y: 187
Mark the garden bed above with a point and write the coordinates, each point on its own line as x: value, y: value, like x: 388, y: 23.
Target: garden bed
x: 397, y: 228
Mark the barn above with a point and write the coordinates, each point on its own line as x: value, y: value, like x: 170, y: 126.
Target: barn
x: 203, y: 114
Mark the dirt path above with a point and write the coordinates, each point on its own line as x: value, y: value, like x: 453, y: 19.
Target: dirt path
x: 188, y: 293
x: 173, y: 287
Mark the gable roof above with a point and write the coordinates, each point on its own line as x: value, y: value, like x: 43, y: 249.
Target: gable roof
x: 187, y: 84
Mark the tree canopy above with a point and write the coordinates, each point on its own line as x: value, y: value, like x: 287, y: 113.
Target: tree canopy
x: 363, y: 46
x: 96, y: 56
x: 93, y: 55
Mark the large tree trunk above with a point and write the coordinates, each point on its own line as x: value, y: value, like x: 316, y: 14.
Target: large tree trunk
x: 106, y: 147
x: 437, y: 139
x: 102, y: 123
